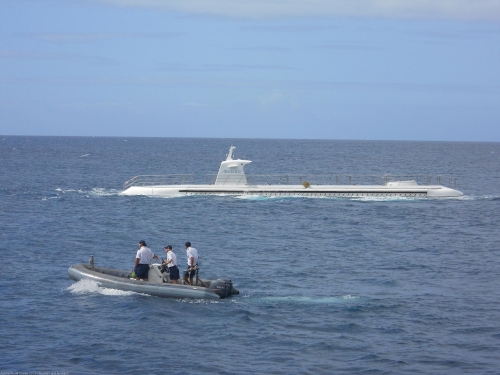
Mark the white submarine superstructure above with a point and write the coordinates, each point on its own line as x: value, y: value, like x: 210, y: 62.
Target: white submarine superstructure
x: 231, y: 180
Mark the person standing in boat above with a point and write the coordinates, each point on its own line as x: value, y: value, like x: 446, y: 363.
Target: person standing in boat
x: 142, y: 259
x: 192, y: 261
x: 171, y: 263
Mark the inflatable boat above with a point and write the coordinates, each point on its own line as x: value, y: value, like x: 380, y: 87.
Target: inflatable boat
x: 158, y: 284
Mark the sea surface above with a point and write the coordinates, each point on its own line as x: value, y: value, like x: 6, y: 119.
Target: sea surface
x: 328, y: 286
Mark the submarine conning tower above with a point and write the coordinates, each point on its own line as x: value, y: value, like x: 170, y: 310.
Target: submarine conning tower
x: 231, y: 171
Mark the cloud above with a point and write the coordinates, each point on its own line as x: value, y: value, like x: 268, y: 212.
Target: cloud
x: 275, y: 91
x: 279, y: 97
x: 90, y: 37
x: 220, y: 67
x: 406, y: 9
x: 286, y: 28
x: 259, y: 49
x: 194, y: 104
x: 351, y: 47
x: 42, y: 55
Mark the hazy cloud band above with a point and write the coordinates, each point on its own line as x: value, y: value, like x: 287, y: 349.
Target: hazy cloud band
x: 418, y: 9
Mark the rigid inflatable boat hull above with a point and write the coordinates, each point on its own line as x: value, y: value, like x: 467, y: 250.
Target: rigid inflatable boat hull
x: 119, y: 279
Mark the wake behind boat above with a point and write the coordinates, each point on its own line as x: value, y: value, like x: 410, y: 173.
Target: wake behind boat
x: 158, y: 284
x: 232, y: 180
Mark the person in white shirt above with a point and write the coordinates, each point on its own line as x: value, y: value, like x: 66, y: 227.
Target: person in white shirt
x: 171, y: 263
x: 192, y: 261
x: 142, y: 259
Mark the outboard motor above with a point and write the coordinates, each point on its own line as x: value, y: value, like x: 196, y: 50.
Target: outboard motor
x: 222, y: 287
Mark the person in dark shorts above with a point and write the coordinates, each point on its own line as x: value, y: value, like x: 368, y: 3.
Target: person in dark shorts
x: 171, y: 263
x: 192, y: 262
x: 142, y: 259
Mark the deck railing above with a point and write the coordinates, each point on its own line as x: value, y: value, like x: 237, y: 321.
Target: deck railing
x: 155, y: 180
x: 299, y: 179
x: 290, y: 179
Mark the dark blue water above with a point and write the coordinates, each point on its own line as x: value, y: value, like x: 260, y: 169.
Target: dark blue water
x: 327, y: 285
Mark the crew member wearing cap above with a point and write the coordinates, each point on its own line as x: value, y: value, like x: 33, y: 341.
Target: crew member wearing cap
x: 171, y: 263
x: 142, y: 259
x: 192, y: 261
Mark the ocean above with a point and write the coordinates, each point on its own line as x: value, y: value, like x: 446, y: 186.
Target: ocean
x: 327, y: 286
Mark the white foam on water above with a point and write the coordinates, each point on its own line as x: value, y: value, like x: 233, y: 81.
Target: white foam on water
x: 97, y: 192
x: 165, y: 196
x: 65, y: 191
x: 255, y: 197
x: 310, y: 300
x: 47, y: 198
x: 387, y: 199
x: 101, y: 192
x: 478, y: 197
x: 200, y: 300
x: 91, y: 287
x: 363, y: 199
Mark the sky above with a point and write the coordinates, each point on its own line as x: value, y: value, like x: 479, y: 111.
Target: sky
x: 304, y: 69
